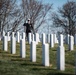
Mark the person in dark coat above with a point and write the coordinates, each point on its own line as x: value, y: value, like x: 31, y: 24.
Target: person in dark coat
x: 28, y: 27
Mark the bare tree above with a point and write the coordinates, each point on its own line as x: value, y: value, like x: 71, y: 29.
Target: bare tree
x: 66, y: 18
x: 5, y: 9
x: 10, y: 16
x: 36, y: 11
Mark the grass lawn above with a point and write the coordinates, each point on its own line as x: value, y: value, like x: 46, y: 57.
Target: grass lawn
x: 15, y: 65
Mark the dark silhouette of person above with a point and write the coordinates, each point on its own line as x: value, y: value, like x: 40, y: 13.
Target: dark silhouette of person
x: 28, y: 27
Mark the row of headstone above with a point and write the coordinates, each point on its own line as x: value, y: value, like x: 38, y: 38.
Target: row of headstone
x: 13, y: 45
x: 32, y: 37
x: 51, y: 39
x: 70, y: 41
x: 61, y: 54
x: 60, y: 50
x: 45, y: 49
x: 36, y: 37
x: 22, y: 47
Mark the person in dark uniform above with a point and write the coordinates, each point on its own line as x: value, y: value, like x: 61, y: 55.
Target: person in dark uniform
x: 28, y: 27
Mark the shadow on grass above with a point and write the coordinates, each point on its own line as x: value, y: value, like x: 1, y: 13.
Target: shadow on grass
x: 66, y: 50
x: 8, y: 54
x: 18, y: 59
x: 70, y: 63
x: 53, y: 73
x: 29, y: 63
x: 54, y: 50
x: 44, y: 68
x: 4, y: 52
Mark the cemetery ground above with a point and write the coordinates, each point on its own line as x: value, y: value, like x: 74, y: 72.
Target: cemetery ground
x: 13, y: 64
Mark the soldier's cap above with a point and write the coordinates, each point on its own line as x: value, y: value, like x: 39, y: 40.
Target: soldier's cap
x: 28, y: 19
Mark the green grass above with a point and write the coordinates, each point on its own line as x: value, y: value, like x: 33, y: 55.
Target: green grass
x: 15, y: 65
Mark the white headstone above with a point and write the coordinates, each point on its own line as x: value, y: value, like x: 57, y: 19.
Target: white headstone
x: 55, y: 39
x: 36, y: 37
x: 8, y: 36
x: 13, y: 34
x: 33, y: 51
x: 13, y: 45
x: 48, y: 38
x: 23, y: 35
x: 22, y: 48
x: 60, y: 40
x: 3, y: 33
x: 67, y: 39
x: 71, y: 43
x: 5, y: 43
x: 29, y: 38
x: 18, y: 37
x: 43, y: 38
x: 51, y: 41
x: 45, y: 54
x: 61, y: 58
